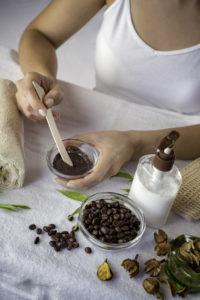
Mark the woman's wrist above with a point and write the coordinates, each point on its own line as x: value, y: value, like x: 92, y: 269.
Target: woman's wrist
x: 144, y: 142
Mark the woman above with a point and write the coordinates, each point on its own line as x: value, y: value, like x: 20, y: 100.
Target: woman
x: 146, y: 50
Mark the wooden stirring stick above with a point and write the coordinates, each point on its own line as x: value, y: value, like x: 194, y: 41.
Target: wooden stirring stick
x: 52, y: 126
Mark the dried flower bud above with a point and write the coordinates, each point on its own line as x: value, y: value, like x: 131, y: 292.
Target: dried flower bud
x: 131, y: 265
x: 160, y: 236
x: 154, y: 266
x: 104, y: 271
x: 162, y: 248
x: 152, y: 286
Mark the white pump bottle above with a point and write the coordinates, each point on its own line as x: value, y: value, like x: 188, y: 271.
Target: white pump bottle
x: 156, y: 182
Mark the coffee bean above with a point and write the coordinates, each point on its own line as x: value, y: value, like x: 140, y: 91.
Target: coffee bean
x: 46, y: 228
x: 95, y: 232
x: 96, y: 227
x: 88, y: 250
x: 56, y: 247
x: 39, y: 231
x: 37, y: 239
x: 55, y: 238
x: 118, y: 229
x: 69, y: 247
x: 98, y: 205
x: 116, y: 216
x: 63, y: 245
x: 52, y: 226
x: 72, y: 239
x: 59, y: 235
x: 32, y: 227
x: 75, y: 244
x: 109, y: 212
x: 104, y: 230
x: 65, y: 232
x: 52, y: 243
x: 120, y: 241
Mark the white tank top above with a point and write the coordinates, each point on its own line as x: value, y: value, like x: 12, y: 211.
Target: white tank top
x: 129, y: 68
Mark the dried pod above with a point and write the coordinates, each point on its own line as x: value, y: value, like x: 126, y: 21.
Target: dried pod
x: 104, y: 271
x: 197, y: 245
x: 162, y: 248
x: 160, y: 236
x: 154, y: 266
x: 188, y: 253
x: 170, y: 285
x: 131, y: 265
x: 197, y: 257
x: 152, y: 286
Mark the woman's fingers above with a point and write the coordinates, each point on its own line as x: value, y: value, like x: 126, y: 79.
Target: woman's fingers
x: 28, y: 101
x: 101, y: 172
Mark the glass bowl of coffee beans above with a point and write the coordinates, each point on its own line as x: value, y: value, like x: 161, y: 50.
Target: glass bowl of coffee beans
x: 111, y: 221
x: 83, y: 155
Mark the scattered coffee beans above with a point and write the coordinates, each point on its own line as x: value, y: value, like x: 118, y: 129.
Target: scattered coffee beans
x: 88, y: 250
x: 32, y: 227
x: 59, y: 240
x: 110, y: 222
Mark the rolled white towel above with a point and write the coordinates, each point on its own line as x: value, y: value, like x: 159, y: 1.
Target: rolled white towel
x: 11, y: 138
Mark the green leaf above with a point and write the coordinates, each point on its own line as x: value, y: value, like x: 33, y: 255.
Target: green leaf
x: 124, y: 175
x: 13, y: 207
x: 74, y: 195
x: 125, y: 190
x: 21, y: 206
x: 8, y: 208
x: 74, y: 213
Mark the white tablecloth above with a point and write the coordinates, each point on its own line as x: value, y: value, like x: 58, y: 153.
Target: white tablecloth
x: 37, y: 272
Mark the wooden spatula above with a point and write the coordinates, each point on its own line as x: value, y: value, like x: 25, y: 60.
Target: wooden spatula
x: 52, y: 126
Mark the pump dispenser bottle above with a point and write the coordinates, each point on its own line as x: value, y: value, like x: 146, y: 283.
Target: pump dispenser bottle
x: 156, y: 182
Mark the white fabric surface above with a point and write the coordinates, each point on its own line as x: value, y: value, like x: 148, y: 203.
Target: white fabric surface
x: 37, y: 272
x: 126, y: 66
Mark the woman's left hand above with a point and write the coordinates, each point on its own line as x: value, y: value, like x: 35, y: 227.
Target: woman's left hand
x: 115, y: 149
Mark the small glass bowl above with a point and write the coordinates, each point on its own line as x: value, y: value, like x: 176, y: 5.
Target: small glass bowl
x: 86, y: 148
x: 112, y: 197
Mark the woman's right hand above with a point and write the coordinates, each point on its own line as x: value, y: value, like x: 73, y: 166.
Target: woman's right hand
x: 27, y: 99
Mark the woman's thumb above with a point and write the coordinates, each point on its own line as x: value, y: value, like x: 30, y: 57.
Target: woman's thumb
x: 53, y: 97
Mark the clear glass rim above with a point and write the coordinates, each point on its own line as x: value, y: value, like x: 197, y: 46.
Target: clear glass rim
x: 112, y: 246
x: 70, y: 177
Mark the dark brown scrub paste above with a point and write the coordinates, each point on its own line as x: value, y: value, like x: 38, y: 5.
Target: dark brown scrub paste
x: 81, y: 162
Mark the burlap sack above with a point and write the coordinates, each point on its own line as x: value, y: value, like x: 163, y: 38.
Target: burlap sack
x: 187, y: 202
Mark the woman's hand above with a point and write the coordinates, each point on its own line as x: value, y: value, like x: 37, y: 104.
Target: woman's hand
x: 29, y: 103
x: 115, y: 149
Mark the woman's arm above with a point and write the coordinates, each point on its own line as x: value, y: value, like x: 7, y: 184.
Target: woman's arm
x: 118, y: 147
x: 55, y: 24
x: 186, y: 147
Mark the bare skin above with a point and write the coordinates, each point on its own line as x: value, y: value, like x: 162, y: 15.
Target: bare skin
x: 172, y: 25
